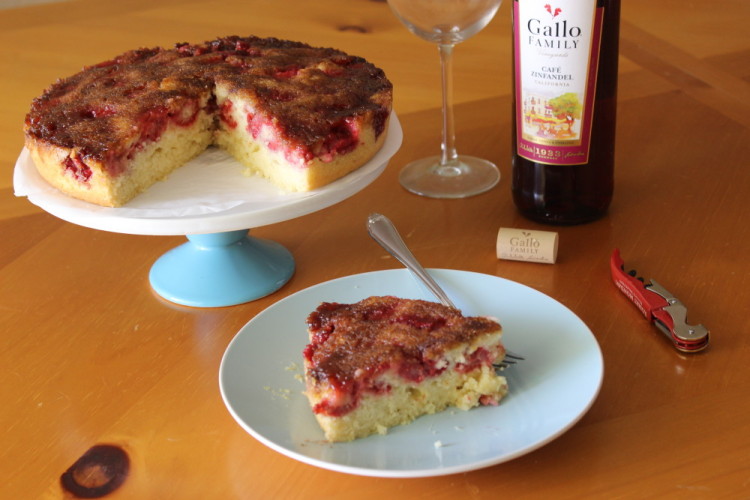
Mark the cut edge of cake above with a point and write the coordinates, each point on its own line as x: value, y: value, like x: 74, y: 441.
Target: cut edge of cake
x: 284, y: 164
x: 407, y: 401
x: 89, y: 180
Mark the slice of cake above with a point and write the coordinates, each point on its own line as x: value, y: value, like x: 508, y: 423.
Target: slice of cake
x: 385, y: 361
x: 298, y: 115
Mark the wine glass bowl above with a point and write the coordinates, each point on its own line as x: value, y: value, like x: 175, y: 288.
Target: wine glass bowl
x: 447, y: 23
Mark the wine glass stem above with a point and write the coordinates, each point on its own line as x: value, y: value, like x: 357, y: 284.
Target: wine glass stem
x: 448, y: 146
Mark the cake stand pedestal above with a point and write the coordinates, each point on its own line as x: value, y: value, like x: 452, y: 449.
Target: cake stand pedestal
x: 221, y: 264
x: 221, y: 269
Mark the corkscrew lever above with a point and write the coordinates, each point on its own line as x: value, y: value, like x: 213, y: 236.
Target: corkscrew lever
x: 660, y: 307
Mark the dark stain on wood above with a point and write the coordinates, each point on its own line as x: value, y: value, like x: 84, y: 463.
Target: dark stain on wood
x: 99, y: 471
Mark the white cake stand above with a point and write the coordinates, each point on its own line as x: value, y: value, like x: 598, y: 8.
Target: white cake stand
x: 214, y: 206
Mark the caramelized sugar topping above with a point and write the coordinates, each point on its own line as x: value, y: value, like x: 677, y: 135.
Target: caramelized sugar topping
x: 353, y: 342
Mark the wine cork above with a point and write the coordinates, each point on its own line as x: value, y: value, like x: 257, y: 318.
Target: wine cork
x: 527, y: 245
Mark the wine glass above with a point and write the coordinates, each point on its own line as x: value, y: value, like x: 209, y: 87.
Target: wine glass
x: 446, y: 23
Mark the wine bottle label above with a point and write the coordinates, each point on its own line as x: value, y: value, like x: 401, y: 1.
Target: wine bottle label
x: 556, y: 61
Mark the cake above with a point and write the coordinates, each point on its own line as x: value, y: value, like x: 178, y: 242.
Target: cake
x: 384, y: 361
x: 298, y: 115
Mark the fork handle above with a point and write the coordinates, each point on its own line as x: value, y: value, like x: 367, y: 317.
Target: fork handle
x: 385, y: 233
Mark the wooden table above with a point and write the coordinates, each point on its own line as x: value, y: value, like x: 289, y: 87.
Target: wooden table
x: 91, y: 355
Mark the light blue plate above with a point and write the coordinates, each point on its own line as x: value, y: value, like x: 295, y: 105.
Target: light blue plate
x: 260, y: 380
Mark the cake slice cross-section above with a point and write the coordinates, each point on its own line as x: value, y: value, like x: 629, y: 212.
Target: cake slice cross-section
x: 384, y: 361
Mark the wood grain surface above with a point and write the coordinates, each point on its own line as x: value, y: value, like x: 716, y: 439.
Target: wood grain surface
x: 90, y: 355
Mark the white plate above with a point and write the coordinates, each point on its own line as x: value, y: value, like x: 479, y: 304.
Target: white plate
x: 260, y: 380
x: 207, y: 195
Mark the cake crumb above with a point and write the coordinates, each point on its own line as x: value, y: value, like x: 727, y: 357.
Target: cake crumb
x: 298, y: 372
x: 281, y: 393
x: 382, y: 430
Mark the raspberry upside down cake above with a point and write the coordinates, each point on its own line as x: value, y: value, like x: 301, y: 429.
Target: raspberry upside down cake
x: 299, y: 115
x: 384, y: 361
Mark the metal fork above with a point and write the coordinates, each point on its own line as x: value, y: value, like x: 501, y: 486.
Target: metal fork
x: 385, y: 233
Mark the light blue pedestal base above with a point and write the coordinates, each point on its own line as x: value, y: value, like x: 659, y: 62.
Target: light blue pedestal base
x: 221, y: 269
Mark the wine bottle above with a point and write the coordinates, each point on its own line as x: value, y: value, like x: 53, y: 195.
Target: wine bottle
x: 564, y: 108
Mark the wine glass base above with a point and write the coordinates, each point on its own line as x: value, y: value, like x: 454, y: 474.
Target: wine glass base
x: 466, y: 176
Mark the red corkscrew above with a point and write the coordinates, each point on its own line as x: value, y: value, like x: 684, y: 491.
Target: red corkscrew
x: 660, y: 307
